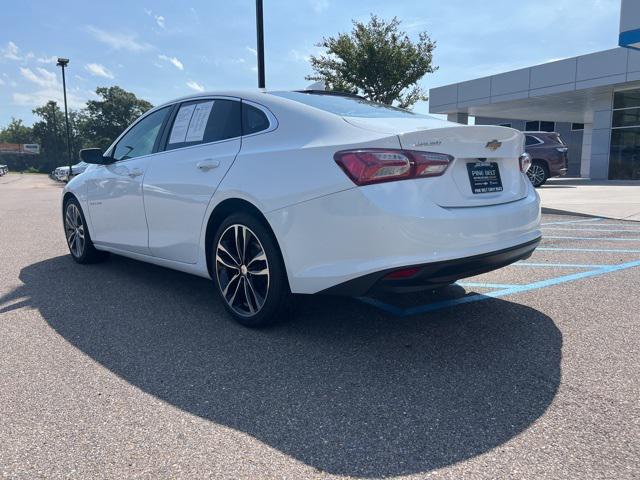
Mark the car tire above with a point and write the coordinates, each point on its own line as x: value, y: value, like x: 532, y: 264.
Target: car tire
x: 538, y: 173
x: 77, y: 235
x: 249, y: 272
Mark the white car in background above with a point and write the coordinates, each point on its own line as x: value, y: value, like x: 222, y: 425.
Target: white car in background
x: 3, y: 170
x: 273, y: 193
x: 62, y: 173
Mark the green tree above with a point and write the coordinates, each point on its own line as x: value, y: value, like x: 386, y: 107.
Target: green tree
x: 103, y: 120
x: 376, y: 60
x: 50, y: 131
x: 16, y: 132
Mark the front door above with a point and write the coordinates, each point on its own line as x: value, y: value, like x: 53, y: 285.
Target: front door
x: 116, y: 203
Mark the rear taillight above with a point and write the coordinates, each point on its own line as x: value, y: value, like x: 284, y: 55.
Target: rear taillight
x: 525, y: 162
x: 369, y: 166
x: 562, y: 149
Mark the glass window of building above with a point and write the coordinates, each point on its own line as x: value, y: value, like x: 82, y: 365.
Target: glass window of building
x: 624, y: 160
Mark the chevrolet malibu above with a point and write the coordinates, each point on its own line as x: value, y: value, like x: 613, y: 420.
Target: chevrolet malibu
x: 271, y: 194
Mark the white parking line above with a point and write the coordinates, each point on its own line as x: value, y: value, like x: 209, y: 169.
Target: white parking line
x: 612, y: 239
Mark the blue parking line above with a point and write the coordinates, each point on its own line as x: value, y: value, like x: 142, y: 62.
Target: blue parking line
x: 601, y: 250
x: 484, y: 285
x: 404, y: 312
x: 613, y: 239
x: 572, y: 221
x: 557, y: 265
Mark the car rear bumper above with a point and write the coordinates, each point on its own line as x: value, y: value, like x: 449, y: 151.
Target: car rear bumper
x: 433, y: 275
x: 350, y: 234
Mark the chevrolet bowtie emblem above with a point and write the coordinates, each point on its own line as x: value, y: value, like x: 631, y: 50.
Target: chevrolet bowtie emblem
x: 493, y: 145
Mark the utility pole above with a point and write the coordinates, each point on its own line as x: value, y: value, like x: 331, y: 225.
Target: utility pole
x: 63, y: 62
x: 260, y: 39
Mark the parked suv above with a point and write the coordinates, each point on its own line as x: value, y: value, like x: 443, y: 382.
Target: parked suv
x: 548, y: 154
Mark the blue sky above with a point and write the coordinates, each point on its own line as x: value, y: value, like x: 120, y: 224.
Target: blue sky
x: 164, y: 49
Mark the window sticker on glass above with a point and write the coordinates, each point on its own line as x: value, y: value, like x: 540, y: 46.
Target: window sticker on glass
x: 181, y: 124
x: 199, y: 121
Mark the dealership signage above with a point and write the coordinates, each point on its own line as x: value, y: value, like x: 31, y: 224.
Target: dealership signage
x: 630, y: 24
x: 20, y: 148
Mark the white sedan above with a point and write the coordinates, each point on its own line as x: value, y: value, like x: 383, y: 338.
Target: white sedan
x: 274, y: 193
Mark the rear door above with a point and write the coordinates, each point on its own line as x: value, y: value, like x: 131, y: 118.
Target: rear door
x: 201, y: 143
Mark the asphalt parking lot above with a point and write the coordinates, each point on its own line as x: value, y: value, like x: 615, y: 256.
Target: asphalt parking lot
x: 126, y: 370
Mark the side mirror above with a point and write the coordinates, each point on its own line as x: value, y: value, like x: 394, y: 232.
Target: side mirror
x: 94, y: 156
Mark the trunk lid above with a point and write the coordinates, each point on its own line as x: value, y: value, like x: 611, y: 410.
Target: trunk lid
x: 468, y: 144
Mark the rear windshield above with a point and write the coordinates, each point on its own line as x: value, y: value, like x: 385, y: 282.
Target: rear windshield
x: 348, y: 106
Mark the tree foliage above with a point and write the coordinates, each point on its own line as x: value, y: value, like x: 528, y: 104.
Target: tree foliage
x: 106, y: 118
x: 16, y: 132
x: 97, y: 125
x: 376, y: 60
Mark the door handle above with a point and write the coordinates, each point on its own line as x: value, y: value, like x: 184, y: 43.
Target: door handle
x: 136, y: 172
x: 207, y: 165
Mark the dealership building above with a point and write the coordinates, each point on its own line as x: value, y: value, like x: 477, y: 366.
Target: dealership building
x: 592, y: 100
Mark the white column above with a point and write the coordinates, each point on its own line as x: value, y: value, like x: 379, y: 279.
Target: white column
x: 585, y: 160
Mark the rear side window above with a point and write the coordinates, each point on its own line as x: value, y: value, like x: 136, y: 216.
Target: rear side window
x: 529, y: 140
x: 253, y: 120
x: 204, y: 121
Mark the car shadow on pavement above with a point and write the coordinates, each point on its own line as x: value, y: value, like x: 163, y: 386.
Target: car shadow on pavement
x: 340, y: 386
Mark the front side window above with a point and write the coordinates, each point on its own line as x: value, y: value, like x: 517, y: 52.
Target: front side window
x: 141, y: 138
x: 205, y: 121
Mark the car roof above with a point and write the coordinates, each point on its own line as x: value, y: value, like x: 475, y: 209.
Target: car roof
x: 255, y: 95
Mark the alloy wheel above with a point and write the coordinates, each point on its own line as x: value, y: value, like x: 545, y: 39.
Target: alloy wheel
x: 74, y: 228
x: 242, y: 270
x: 536, y: 174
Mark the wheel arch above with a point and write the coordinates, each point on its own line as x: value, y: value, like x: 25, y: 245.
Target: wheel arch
x: 222, y: 211
x: 543, y: 161
x: 65, y: 199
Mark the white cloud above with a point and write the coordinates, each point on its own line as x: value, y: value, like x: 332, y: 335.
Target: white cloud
x: 50, y: 89
x: 159, y: 20
x: 319, y: 5
x: 173, y: 60
x: 299, y: 56
x: 252, y: 50
x: 41, y: 76
x: 118, y: 41
x: 11, y: 51
x: 98, y: 70
x: 40, y: 97
x: 51, y: 59
x: 195, y: 86
x: 238, y: 60
x: 1, y: 82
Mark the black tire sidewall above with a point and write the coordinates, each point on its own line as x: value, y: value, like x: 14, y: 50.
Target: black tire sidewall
x: 89, y: 253
x: 279, y: 291
x: 544, y: 169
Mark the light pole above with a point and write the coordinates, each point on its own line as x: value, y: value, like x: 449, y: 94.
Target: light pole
x: 260, y: 49
x: 63, y: 62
